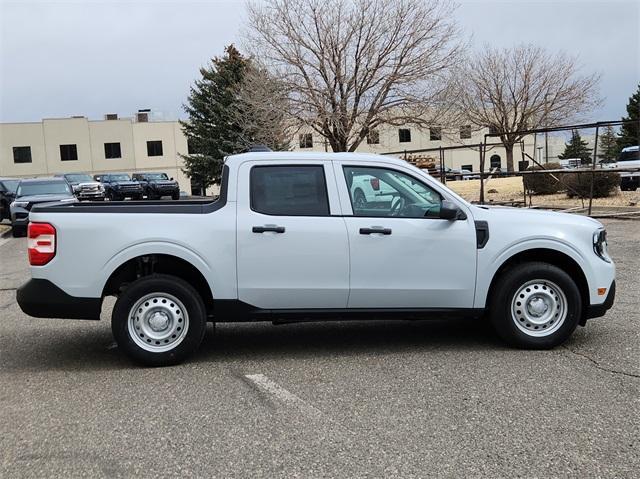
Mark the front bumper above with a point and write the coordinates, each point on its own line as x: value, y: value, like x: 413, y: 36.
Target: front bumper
x: 597, y: 310
x: 41, y: 298
x: 90, y: 196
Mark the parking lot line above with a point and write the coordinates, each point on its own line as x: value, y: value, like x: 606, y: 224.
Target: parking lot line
x: 4, y: 240
x: 278, y: 392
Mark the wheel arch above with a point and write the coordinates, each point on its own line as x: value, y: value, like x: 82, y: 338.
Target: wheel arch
x: 544, y: 255
x: 147, y: 264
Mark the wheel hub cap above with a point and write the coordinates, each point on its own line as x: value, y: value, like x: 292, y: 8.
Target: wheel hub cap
x: 539, y: 308
x: 159, y: 321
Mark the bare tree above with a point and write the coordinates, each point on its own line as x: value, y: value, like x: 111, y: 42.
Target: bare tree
x: 523, y: 88
x: 350, y: 66
x: 261, y: 108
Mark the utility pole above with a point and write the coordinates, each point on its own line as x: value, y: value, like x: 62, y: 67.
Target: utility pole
x: 546, y: 125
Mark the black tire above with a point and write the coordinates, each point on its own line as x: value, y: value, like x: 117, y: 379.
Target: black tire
x: 175, y: 196
x: 359, y: 199
x: 509, y: 325
x: 160, y: 284
x: 19, y: 231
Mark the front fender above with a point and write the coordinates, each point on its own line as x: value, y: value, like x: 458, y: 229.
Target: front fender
x: 489, y: 262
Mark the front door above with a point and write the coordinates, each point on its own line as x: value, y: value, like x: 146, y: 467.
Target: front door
x: 402, y: 254
x: 292, y: 253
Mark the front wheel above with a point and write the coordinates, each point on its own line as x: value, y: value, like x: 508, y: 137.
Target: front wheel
x: 175, y: 196
x: 159, y: 320
x: 535, y: 306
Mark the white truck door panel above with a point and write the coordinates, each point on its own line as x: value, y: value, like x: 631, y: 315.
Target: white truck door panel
x: 290, y: 261
x: 422, y: 263
x: 419, y: 262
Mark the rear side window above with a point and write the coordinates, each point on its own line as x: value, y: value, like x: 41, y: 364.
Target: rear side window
x: 289, y: 190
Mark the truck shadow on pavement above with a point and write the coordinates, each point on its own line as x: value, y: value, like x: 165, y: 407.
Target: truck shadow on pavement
x: 342, y: 338
x: 91, y: 347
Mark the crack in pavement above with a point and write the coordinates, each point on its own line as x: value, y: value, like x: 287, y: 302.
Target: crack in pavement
x: 8, y: 289
x: 600, y: 367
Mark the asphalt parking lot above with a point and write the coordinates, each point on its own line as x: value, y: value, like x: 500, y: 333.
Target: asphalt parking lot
x: 358, y: 399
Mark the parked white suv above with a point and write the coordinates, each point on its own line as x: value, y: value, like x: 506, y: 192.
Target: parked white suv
x: 287, y: 241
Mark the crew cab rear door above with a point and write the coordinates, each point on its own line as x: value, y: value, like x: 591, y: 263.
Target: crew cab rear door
x: 402, y: 255
x: 292, y: 242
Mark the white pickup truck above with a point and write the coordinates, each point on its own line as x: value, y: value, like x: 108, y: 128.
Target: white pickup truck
x: 286, y: 241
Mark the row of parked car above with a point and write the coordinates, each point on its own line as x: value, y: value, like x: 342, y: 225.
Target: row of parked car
x: 17, y: 196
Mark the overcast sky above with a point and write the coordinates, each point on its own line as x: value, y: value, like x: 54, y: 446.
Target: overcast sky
x: 94, y: 57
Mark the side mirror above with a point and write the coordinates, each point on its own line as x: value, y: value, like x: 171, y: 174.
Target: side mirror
x: 449, y: 211
x: 171, y: 179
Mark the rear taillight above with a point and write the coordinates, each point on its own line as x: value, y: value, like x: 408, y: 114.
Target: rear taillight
x: 41, y: 243
x: 375, y: 183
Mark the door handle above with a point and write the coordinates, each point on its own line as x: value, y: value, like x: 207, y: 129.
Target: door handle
x: 265, y: 229
x: 375, y: 230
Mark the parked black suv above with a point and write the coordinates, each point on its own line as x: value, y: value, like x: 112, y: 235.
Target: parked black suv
x: 118, y: 186
x: 8, y: 187
x: 157, y: 185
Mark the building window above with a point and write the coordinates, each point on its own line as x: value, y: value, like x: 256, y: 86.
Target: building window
x: 289, y: 190
x: 493, y: 130
x: 306, y: 140
x: 154, y: 148
x: 112, y: 151
x: 373, y: 137
x: 68, y: 153
x: 435, y: 133
x: 22, y: 154
x: 495, y: 161
x: 404, y: 135
x: 465, y: 132
x: 466, y: 167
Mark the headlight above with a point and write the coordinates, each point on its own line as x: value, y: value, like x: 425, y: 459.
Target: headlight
x: 19, y: 204
x: 76, y: 188
x: 100, y: 187
x: 600, y: 246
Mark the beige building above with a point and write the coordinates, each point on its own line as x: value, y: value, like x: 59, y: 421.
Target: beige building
x: 69, y: 145
x: 460, y: 146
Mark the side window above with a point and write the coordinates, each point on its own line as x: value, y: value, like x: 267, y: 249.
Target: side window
x: 390, y: 193
x: 289, y: 190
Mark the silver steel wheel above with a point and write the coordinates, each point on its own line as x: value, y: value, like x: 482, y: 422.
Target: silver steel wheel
x: 539, y: 308
x: 158, y: 322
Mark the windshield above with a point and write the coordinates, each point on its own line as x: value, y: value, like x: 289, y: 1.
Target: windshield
x: 44, y: 188
x: 79, y: 178
x: 156, y: 176
x: 117, y: 178
x: 11, y: 185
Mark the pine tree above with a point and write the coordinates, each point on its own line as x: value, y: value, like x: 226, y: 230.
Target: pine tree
x: 211, y: 133
x: 608, y: 149
x: 630, y: 132
x: 576, y: 148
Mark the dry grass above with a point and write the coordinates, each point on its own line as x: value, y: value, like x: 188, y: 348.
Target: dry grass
x: 509, y: 189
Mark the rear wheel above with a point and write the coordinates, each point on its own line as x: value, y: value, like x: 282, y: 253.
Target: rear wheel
x: 535, y: 306
x: 159, y: 320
